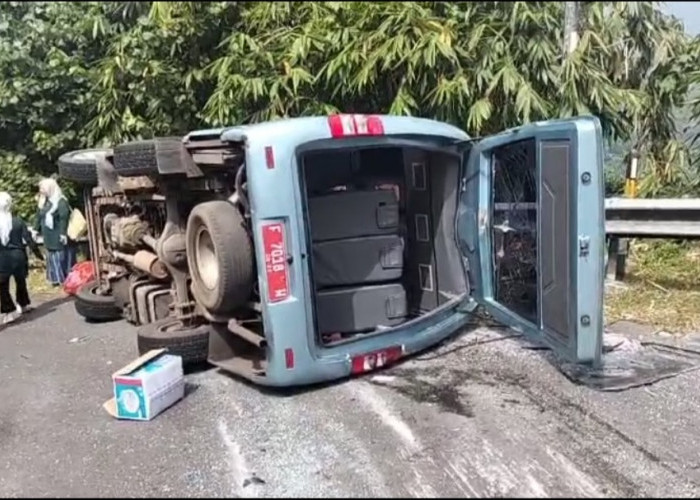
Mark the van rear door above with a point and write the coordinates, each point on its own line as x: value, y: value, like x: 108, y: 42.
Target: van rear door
x: 531, y: 229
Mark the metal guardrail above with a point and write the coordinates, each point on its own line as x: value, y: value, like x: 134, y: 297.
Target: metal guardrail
x: 646, y: 218
x: 82, y: 244
x: 40, y: 240
x: 652, y: 218
x: 624, y: 218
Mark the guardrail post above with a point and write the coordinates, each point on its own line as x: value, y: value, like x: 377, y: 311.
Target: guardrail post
x: 631, y: 175
x: 617, y: 258
x: 611, y: 262
x: 621, y: 264
x: 619, y: 247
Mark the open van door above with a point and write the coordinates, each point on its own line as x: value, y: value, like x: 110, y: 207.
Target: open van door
x: 531, y: 229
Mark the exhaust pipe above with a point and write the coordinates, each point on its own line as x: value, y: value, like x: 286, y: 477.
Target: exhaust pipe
x: 146, y: 261
x: 150, y: 241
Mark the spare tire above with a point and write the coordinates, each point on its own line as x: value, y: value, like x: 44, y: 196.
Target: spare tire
x: 80, y: 166
x: 219, y: 256
x: 159, y: 155
x: 95, y: 307
x: 189, y: 342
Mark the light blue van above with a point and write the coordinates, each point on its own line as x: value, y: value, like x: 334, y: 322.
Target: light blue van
x: 304, y: 250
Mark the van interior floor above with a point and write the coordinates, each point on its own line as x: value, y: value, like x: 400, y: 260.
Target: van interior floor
x: 381, y: 225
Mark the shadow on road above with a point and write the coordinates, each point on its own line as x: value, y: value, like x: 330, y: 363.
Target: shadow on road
x: 39, y: 311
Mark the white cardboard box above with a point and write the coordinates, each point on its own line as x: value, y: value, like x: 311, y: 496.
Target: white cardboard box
x: 147, y: 386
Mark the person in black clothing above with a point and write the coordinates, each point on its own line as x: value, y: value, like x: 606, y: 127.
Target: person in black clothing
x: 14, y: 238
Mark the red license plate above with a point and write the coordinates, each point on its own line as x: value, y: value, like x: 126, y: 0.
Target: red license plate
x: 276, y: 266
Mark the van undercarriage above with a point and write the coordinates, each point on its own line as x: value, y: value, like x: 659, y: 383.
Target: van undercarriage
x: 144, y: 222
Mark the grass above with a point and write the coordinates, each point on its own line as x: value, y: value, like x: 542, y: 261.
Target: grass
x: 662, y: 287
x: 36, y: 282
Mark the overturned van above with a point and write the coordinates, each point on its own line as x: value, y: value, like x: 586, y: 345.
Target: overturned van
x: 303, y: 250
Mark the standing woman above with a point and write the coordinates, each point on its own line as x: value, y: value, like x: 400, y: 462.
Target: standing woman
x: 14, y: 237
x: 52, y: 224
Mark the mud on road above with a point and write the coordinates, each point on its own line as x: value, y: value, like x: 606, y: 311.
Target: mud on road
x: 477, y: 416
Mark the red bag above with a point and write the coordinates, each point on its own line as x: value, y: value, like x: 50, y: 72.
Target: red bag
x: 81, y: 274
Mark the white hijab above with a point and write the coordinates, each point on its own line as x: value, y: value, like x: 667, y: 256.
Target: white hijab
x: 5, y: 217
x: 50, y: 191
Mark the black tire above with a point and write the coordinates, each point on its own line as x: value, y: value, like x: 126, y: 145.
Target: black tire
x: 159, y: 155
x: 80, y: 166
x: 92, y: 306
x: 216, y: 235
x: 191, y: 343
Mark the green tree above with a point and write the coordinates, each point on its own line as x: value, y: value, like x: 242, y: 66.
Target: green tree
x: 483, y: 66
x: 92, y: 74
x: 47, y: 50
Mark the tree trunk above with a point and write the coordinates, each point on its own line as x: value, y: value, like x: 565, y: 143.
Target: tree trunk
x: 571, y: 27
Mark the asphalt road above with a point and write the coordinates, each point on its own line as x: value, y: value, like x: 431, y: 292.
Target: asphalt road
x: 478, y: 416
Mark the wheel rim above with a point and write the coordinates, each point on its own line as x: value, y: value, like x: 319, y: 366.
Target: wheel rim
x: 95, y: 289
x: 171, y: 326
x: 174, y: 325
x: 206, y: 260
x: 89, y: 154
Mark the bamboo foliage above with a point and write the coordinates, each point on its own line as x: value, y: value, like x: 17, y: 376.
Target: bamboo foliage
x: 483, y: 66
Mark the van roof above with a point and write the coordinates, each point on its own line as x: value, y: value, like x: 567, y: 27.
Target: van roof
x: 393, y: 124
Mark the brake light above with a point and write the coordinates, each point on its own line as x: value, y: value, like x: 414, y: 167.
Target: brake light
x: 376, y: 359
x: 276, y: 265
x: 289, y: 358
x: 355, y: 125
x: 269, y: 157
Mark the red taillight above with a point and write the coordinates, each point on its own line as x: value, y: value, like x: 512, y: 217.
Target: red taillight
x: 376, y: 359
x: 269, y: 157
x: 289, y: 358
x: 355, y: 125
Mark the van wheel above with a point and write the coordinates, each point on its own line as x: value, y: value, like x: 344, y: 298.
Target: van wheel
x: 159, y: 155
x: 190, y: 343
x: 92, y: 306
x: 80, y: 166
x: 219, y: 256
